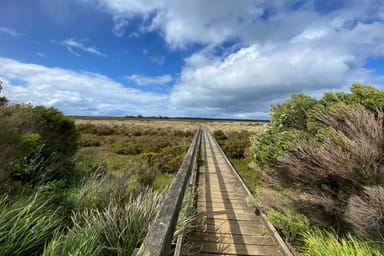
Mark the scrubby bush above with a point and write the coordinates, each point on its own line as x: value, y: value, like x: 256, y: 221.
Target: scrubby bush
x: 271, y: 143
x: 100, y: 129
x: 290, y: 224
x: 331, y: 153
x: 37, y: 144
x: 168, y: 160
x: 219, y: 135
x: 292, y: 114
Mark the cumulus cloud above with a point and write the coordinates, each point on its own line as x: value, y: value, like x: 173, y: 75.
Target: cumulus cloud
x: 75, y: 92
x: 72, y: 43
x: 150, y: 80
x: 258, y: 53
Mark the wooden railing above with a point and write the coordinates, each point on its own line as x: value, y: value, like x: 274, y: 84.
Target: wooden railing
x: 159, y: 237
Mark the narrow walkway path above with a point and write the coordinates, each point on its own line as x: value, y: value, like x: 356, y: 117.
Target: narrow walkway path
x: 230, y: 225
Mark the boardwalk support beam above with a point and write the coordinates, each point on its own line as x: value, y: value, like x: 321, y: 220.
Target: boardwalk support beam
x: 159, y: 238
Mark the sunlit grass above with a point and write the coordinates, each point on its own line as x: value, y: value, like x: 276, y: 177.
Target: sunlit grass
x: 162, y: 180
x: 26, y: 224
x: 321, y: 243
x: 249, y: 175
x: 114, y: 230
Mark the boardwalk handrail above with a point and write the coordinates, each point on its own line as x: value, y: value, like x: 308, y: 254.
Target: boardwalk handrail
x: 159, y: 237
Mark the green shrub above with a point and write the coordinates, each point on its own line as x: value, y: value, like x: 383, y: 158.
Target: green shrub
x: 292, y: 114
x: 271, y: 144
x: 127, y: 148
x: 235, y: 148
x: 88, y: 140
x: 37, y: 144
x: 219, y: 135
x: 290, y: 224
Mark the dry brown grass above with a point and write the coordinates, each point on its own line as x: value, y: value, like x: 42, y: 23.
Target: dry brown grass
x: 140, y: 124
x: 366, y: 212
x: 232, y: 126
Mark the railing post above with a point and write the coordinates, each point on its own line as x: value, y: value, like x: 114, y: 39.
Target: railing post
x: 159, y: 237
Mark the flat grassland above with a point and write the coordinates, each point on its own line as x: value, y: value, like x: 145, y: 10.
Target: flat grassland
x: 120, y: 144
x: 172, y: 124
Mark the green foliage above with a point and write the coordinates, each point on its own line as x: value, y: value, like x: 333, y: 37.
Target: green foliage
x: 235, y: 148
x: 114, y: 230
x: 26, y: 224
x: 322, y: 243
x: 271, y: 144
x: 219, y: 135
x: 79, y: 241
x: 368, y: 96
x: 329, y: 152
x: 292, y: 225
x: 188, y: 219
x: 3, y: 100
x: 37, y: 145
x: 234, y: 144
x: 248, y: 174
x: 167, y: 160
x: 292, y: 113
x: 162, y: 181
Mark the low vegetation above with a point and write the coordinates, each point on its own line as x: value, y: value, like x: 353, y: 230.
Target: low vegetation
x: 90, y: 188
x: 323, y: 159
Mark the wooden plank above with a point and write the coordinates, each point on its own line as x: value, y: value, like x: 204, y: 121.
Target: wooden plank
x: 230, y: 226
x: 234, y: 238
x: 236, y: 249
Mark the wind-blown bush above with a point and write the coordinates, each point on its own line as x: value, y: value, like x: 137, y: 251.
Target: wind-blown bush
x: 271, y: 144
x: 350, y: 155
x: 366, y: 212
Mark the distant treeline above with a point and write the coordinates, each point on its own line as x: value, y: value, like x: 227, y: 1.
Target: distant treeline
x: 201, y: 119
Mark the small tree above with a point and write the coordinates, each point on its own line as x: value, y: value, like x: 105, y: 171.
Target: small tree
x: 3, y: 100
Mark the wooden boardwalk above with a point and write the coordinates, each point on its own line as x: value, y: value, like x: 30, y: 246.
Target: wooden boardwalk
x: 230, y: 226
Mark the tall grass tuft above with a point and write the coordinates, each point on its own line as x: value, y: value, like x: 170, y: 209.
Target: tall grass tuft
x: 114, y: 230
x: 79, y: 241
x: 26, y: 224
x: 188, y: 218
x: 124, y: 227
x: 322, y: 243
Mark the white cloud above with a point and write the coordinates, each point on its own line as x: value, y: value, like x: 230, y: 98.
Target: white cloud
x: 119, y: 27
x: 40, y: 54
x: 158, y: 60
x: 75, y: 92
x: 72, y: 43
x: 150, y: 80
x: 10, y: 32
x: 134, y: 35
x: 281, y: 47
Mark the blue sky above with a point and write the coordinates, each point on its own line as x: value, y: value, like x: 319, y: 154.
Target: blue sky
x: 219, y: 58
